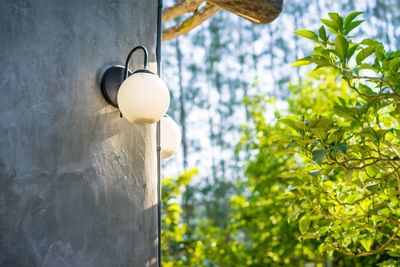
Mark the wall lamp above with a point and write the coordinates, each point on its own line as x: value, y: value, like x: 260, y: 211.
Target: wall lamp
x: 141, y: 96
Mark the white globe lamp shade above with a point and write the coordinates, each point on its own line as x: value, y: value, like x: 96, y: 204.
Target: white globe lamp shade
x: 171, y: 137
x: 143, y: 98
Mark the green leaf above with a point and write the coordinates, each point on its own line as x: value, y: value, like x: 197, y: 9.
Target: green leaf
x: 291, y: 174
x: 321, y: 60
x: 342, y: 46
x: 337, y: 19
x: 370, y: 42
x: 307, y: 34
x: 294, y: 215
x: 396, y: 53
x: 331, y: 25
x: 302, y: 62
x: 320, y: 51
x: 365, y: 66
x: 319, y: 155
x: 279, y: 139
x: 292, y: 124
x: 380, y: 53
x: 380, y: 135
x: 322, y: 128
x: 342, y: 101
x: 299, y: 63
x: 365, y: 89
x: 395, y: 65
x: 336, y: 136
x: 340, y: 148
x: 374, y: 188
x: 367, y: 243
x: 352, y: 26
x: 351, y: 51
x: 306, y: 236
x: 343, y: 111
x: 351, y: 16
x: 322, y: 34
x: 304, y: 224
x: 364, y: 53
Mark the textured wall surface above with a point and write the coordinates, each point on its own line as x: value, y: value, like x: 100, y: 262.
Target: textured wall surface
x: 77, y: 183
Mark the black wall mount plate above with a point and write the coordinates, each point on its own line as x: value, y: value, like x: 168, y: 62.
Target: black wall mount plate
x: 110, y: 82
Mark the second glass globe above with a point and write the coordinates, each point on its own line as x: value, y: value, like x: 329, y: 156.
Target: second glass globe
x: 171, y: 137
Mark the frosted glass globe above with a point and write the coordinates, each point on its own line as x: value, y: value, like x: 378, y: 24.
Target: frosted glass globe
x: 143, y: 98
x: 171, y: 137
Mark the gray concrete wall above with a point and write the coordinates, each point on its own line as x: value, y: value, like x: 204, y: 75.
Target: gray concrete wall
x: 77, y: 183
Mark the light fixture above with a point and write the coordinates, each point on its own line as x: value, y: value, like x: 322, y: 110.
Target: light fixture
x: 171, y: 137
x: 141, y: 96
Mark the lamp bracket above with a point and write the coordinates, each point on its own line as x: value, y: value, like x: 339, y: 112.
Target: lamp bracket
x: 110, y: 82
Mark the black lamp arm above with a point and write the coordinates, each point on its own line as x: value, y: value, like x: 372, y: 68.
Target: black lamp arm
x: 145, y: 62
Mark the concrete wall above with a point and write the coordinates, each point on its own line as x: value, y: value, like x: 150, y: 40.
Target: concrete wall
x: 77, y: 183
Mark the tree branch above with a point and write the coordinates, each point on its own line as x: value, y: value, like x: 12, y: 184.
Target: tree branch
x: 199, y: 16
x: 183, y: 7
x: 257, y: 11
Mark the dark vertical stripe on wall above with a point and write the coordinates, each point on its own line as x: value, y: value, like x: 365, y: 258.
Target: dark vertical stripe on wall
x: 158, y: 133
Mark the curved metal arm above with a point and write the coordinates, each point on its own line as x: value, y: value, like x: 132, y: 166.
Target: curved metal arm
x: 145, y: 62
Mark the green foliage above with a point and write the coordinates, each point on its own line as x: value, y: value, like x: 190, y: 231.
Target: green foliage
x: 178, y: 249
x: 350, y: 153
x: 278, y: 214
x: 322, y: 180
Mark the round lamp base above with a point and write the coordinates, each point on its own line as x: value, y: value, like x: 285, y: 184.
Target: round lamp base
x: 110, y: 82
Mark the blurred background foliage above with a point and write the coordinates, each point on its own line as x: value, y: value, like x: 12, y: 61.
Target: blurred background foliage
x: 293, y: 166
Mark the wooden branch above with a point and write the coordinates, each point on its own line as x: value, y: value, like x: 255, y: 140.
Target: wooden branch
x: 257, y: 11
x: 183, y: 7
x: 199, y: 16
